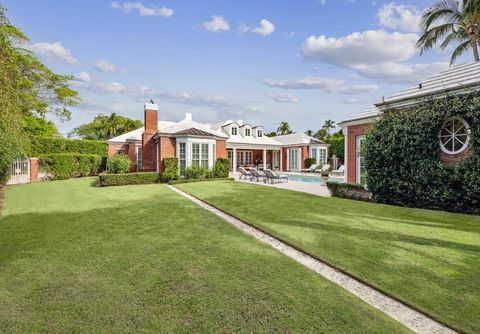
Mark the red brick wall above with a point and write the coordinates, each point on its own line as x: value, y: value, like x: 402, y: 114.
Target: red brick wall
x: 132, y: 155
x: 168, y: 147
x: 33, y: 170
x: 353, y: 132
x: 221, y: 149
x: 149, y: 154
x: 455, y: 158
x: 284, y: 158
x: 304, y: 156
x: 116, y: 148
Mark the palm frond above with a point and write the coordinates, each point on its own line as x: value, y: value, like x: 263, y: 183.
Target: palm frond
x: 459, y: 51
x: 441, y: 11
x: 432, y: 36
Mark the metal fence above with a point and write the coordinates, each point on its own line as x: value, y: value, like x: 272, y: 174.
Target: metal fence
x: 20, y: 172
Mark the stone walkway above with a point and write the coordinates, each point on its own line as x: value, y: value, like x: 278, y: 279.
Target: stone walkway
x: 305, y: 187
x: 415, y: 321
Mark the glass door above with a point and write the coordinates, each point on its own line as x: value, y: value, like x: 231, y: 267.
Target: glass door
x: 294, y: 159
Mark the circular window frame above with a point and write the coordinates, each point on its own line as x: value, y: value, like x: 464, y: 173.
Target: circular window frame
x: 467, y: 142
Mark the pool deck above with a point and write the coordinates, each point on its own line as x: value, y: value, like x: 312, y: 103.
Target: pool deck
x: 305, y: 187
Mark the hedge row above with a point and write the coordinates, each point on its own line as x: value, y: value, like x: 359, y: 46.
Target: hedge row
x: 61, y: 145
x: 65, y: 166
x: 173, y: 182
x: 128, y: 179
x: 350, y: 191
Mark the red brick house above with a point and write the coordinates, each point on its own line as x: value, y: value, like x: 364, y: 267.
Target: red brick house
x: 456, y: 80
x: 202, y: 143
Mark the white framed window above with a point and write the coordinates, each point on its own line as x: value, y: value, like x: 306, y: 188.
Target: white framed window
x: 204, y: 155
x: 322, y: 156
x: 313, y: 153
x: 234, y: 131
x: 182, y: 157
x: 454, y: 136
x: 195, y: 154
x: 259, y: 133
x: 139, y: 159
x: 244, y: 158
x: 248, y: 132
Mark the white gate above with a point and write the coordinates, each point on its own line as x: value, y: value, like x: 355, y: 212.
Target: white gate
x: 20, y: 172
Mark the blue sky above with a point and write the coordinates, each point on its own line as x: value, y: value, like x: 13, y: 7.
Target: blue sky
x: 261, y: 61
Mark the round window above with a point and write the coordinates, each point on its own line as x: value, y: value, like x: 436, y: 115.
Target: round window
x: 454, y: 135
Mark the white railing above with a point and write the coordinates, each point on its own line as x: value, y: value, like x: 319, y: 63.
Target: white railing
x: 20, y: 172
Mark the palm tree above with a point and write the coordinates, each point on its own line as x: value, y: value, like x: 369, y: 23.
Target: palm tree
x: 451, y: 22
x: 284, y: 129
x: 309, y: 133
x: 327, y: 125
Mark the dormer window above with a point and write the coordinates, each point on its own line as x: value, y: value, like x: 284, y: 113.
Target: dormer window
x: 234, y: 131
x: 259, y: 133
x: 247, y: 132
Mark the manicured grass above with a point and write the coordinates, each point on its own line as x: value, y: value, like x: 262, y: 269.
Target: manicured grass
x: 74, y: 258
x: 428, y: 259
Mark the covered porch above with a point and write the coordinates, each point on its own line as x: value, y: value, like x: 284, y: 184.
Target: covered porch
x: 255, y: 156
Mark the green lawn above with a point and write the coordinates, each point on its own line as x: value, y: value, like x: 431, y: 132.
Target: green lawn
x: 76, y: 258
x: 428, y: 259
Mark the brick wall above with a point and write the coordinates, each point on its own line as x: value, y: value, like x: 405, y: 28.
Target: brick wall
x: 455, y: 158
x: 353, y: 132
x: 304, y: 156
x: 149, y: 154
x: 117, y: 148
x: 132, y: 155
x: 221, y: 149
x: 33, y: 170
x: 168, y: 147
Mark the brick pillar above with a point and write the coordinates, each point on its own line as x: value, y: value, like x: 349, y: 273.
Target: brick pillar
x: 132, y: 155
x: 33, y: 170
x: 149, y: 154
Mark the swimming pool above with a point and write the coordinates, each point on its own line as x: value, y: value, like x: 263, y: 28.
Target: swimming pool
x: 305, y: 178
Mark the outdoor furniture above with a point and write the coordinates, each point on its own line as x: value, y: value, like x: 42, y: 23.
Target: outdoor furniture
x: 244, y: 174
x: 339, y: 172
x: 325, y: 169
x: 311, y: 169
x: 272, y: 176
x: 257, y: 175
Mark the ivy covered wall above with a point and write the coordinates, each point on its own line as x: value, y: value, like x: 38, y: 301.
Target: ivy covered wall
x: 406, y: 166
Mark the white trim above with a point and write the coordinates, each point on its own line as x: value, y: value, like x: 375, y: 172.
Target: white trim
x: 345, y: 153
x: 358, y: 141
x: 151, y: 106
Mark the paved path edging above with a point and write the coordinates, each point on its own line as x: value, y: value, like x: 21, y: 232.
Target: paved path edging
x: 410, y: 318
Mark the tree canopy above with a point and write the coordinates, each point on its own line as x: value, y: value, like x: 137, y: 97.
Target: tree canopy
x: 104, y: 127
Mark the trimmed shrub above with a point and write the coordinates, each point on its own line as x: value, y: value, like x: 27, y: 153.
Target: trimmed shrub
x: 119, y: 164
x: 402, y: 157
x: 171, y: 170
x: 173, y: 182
x: 62, y: 145
x: 221, y: 168
x: 309, y: 162
x: 195, y: 172
x: 350, y: 191
x: 65, y: 166
x: 107, y: 180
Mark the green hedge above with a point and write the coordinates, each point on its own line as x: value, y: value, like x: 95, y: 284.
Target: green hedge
x: 173, y: 182
x: 349, y: 190
x: 107, y: 180
x: 402, y: 157
x: 61, y: 145
x: 119, y: 164
x: 65, y: 166
x: 221, y: 168
x: 309, y: 162
x: 171, y: 170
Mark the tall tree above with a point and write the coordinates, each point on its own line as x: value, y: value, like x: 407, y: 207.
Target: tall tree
x: 284, y: 129
x: 451, y: 23
x: 38, y: 126
x: 105, y: 127
x: 309, y: 133
x: 321, y: 134
x: 327, y: 125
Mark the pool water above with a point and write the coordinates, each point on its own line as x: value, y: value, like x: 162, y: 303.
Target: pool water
x: 305, y: 178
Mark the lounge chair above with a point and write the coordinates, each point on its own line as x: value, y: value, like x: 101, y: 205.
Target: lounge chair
x: 244, y: 174
x: 311, y: 169
x: 325, y: 169
x: 272, y: 176
x: 257, y: 175
x: 339, y: 172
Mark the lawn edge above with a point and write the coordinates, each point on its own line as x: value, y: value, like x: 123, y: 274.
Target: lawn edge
x: 346, y: 272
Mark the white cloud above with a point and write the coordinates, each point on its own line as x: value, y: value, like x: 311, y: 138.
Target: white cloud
x: 333, y: 86
x: 287, y: 97
x: 216, y: 24
x: 106, y: 66
x: 54, y: 51
x: 401, y: 73
x: 127, y: 7
x: 83, y: 76
x: 369, y: 47
x: 265, y: 28
x: 107, y: 87
x: 399, y: 17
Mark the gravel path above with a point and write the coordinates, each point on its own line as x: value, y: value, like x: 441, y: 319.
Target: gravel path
x: 410, y: 318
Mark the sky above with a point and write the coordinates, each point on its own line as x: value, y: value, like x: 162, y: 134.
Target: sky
x: 299, y: 61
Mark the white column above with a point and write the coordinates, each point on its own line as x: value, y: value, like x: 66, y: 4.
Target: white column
x: 281, y: 160
x: 234, y: 165
x: 288, y: 160
x: 264, y: 159
x: 345, y: 159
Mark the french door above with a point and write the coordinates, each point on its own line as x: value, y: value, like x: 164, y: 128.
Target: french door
x: 294, y: 159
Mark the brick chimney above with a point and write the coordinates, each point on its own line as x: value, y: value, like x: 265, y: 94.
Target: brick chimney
x: 149, y: 154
